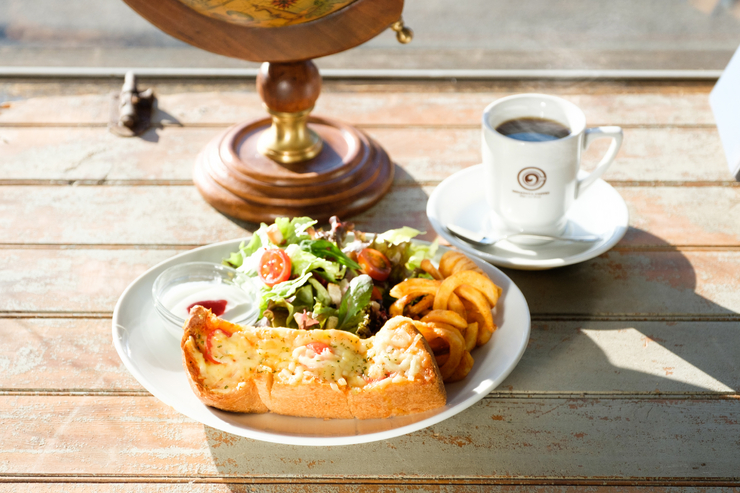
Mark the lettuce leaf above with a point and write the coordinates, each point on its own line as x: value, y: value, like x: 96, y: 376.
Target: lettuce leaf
x: 398, y: 236
x: 294, y: 230
x: 236, y: 259
x: 281, y: 291
x: 304, y: 262
x: 322, y: 313
x: 420, y: 252
x: 330, y: 251
x: 281, y: 312
x: 322, y: 295
x: 355, y: 300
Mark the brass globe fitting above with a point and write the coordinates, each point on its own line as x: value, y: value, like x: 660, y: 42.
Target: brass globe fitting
x: 289, y: 140
x: 404, y: 34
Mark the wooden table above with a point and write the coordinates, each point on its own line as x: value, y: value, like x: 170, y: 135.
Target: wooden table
x: 631, y: 376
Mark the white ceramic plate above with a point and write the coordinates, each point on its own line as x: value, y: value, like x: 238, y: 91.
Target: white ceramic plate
x: 460, y: 199
x: 153, y: 356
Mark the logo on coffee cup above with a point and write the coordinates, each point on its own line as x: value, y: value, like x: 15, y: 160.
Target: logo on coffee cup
x: 531, y: 178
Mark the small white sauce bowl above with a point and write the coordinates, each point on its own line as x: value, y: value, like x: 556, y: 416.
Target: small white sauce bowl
x: 184, y: 284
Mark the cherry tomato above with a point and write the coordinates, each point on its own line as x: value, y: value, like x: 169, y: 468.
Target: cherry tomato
x: 376, y: 295
x: 374, y: 264
x: 318, y: 347
x: 274, y: 266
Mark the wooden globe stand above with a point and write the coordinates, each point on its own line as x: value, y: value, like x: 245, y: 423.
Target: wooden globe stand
x: 292, y: 163
x: 338, y: 171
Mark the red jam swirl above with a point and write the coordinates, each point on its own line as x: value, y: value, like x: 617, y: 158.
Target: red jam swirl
x: 218, y: 307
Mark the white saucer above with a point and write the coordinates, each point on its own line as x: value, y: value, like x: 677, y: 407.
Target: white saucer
x: 460, y: 200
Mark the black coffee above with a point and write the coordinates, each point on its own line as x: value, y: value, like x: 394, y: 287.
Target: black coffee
x: 533, y: 129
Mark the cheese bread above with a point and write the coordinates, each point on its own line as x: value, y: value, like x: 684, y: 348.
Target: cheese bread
x: 311, y: 373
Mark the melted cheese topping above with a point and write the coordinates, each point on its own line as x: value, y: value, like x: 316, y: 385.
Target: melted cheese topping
x: 287, y: 354
x: 391, y: 355
x: 396, y: 356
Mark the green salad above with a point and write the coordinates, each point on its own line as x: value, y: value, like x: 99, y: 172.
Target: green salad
x: 307, y: 278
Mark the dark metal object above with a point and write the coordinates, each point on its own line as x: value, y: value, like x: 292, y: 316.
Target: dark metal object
x: 131, y: 110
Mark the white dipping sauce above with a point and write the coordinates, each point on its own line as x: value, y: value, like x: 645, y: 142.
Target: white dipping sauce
x: 178, y: 298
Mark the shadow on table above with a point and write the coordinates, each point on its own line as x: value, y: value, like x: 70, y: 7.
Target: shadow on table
x: 630, y: 320
x: 160, y: 118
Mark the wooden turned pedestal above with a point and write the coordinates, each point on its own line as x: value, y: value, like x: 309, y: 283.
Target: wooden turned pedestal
x: 349, y: 175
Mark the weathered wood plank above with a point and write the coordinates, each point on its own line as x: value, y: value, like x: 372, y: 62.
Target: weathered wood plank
x: 597, y: 357
x: 117, y: 215
x: 423, y: 154
x: 553, y: 438
x: 660, y: 216
x: 466, y: 109
x: 371, y: 108
x: 71, y: 280
x: 682, y: 216
x: 96, y: 154
x: 61, y: 354
x: 664, y: 154
x: 618, y: 283
x: 299, y: 485
x: 133, y: 487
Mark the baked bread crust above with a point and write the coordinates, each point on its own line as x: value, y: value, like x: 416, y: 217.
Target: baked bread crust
x: 259, y: 391
x: 383, y: 400
x: 309, y: 400
x: 244, y: 399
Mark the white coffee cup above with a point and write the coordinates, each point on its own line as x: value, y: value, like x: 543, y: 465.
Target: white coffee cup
x: 531, y: 185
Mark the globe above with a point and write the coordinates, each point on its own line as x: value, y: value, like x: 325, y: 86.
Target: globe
x: 290, y: 163
x: 266, y: 13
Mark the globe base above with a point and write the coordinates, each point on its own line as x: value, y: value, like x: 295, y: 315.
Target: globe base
x: 349, y: 175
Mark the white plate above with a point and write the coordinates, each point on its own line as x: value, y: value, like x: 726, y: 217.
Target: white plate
x: 153, y: 356
x: 460, y: 199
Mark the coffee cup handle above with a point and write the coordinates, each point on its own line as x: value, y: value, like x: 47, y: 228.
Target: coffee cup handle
x: 591, y: 134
